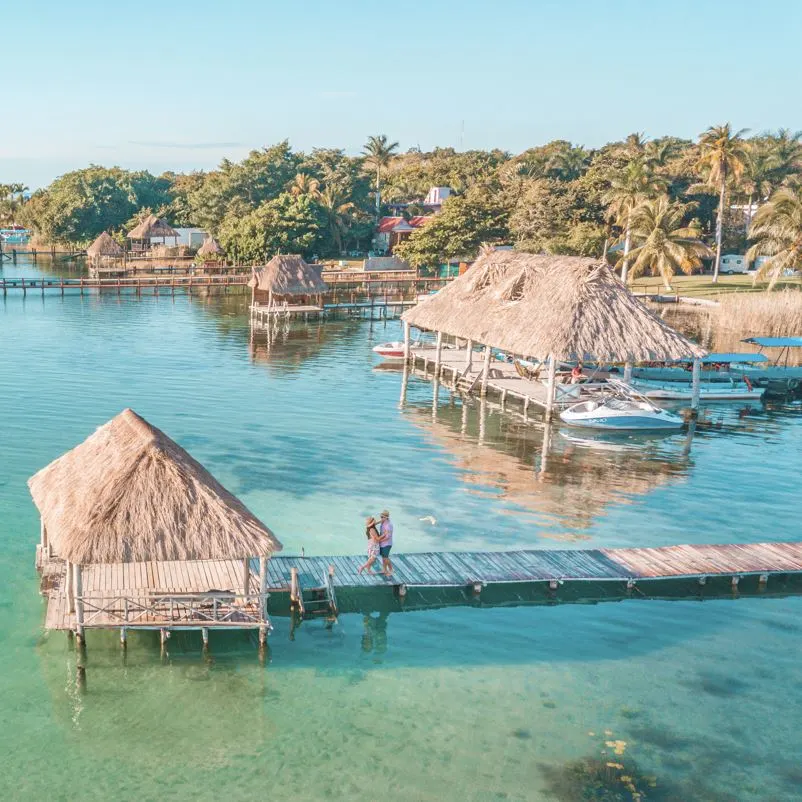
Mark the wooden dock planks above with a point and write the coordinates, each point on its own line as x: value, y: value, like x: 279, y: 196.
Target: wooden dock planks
x: 139, y: 581
x: 444, y: 569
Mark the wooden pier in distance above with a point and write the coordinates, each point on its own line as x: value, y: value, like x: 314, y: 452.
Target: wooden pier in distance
x: 503, y: 380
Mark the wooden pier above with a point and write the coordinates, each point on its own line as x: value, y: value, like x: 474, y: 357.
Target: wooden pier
x: 455, y: 370
x: 550, y: 566
x: 167, y: 596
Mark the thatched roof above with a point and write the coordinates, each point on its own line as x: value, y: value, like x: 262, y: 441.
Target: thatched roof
x: 151, y: 227
x: 129, y: 493
x: 569, y: 306
x: 288, y: 275
x: 210, y: 247
x: 104, y: 245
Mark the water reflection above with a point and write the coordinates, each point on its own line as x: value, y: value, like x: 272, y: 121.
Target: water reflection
x: 568, y: 476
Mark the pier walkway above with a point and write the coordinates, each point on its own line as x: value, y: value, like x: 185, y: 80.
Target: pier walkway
x: 465, y: 569
x: 210, y: 595
x: 503, y: 379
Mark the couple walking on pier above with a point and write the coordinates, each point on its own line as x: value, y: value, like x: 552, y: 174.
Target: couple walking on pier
x: 380, y: 541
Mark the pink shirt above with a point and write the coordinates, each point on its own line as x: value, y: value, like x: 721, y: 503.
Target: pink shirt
x: 386, y: 533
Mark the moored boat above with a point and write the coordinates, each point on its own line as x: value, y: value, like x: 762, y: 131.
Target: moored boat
x: 777, y: 376
x: 619, y: 413
x: 736, y: 390
x: 715, y: 367
x: 392, y: 350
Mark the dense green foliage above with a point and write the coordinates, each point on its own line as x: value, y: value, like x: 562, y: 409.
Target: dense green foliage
x: 557, y: 198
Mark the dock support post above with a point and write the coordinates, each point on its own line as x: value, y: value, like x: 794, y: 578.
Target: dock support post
x: 407, y: 349
x: 437, y: 355
x: 552, y: 386
x: 69, y: 589
x: 695, y: 384
x: 627, y: 372
x: 246, y: 579
x: 123, y: 637
x: 402, y: 402
x: 43, y: 539
x: 469, y: 356
x: 205, y: 637
x: 485, y: 370
x: 263, y: 589
x: 79, y: 602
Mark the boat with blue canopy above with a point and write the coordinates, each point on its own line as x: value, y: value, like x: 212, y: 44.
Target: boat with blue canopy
x: 778, y: 375
x: 716, y: 367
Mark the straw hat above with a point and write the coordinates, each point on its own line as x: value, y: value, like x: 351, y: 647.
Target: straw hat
x: 370, y: 520
x: 385, y: 514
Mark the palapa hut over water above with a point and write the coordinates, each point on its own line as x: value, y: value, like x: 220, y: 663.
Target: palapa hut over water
x: 138, y: 534
x: 284, y: 279
x: 104, y: 247
x: 103, y: 253
x: 548, y: 308
x: 151, y: 228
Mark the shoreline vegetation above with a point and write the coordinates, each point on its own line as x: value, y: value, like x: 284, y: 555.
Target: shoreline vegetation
x: 652, y: 207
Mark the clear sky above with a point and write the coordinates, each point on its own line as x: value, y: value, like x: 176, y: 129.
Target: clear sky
x: 180, y: 84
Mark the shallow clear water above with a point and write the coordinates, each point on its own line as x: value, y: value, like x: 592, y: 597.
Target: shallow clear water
x: 457, y: 703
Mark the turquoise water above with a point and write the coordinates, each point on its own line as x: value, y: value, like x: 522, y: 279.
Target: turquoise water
x: 456, y: 703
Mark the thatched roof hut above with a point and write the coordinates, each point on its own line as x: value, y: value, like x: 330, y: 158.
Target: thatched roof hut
x: 153, y: 227
x: 210, y: 247
x: 537, y: 306
x: 129, y: 493
x: 287, y: 275
x: 104, y: 247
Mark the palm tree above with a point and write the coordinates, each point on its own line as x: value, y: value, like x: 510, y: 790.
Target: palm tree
x: 338, y: 210
x: 760, y: 174
x: 636, y: 183
x: 722, y: 155
x: 378, y: 153
x: 777, y: 231
x: 787, y: 148
x: 305, y: 184
x: 664, y: 244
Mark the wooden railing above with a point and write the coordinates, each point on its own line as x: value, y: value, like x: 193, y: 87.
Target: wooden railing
x: 196, y: 609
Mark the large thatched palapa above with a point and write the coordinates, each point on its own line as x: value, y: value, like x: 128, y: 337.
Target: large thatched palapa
x: 567, y: 307
x: 129, y: 493
x: 104, y: 247
x: 288, y: 276
x: 153, y: 227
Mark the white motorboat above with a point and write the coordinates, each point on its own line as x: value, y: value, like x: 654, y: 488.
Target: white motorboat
x: 393, y: 350
x: 735, y: 390
x: 622, y: 409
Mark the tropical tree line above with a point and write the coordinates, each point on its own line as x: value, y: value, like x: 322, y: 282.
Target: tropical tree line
x: 655, y: 206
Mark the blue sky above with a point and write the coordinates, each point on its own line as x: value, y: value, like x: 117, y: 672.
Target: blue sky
x: 179, y: 85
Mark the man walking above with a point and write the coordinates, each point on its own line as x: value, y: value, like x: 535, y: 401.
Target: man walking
x: 386, y: 542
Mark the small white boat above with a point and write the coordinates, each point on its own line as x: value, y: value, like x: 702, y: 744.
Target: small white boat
x: 714, y: 391
x: 392, y: 351
x: 620, y: 414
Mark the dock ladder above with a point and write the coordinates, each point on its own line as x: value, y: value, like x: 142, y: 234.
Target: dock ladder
x: 316, y: 602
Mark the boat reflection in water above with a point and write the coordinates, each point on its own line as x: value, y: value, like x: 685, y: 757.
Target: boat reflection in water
x: 563, y: 477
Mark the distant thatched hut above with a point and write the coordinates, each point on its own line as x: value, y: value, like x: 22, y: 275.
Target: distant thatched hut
x: 287, y: 278
x: 211, y: 248
x: 104, y: 247
x: 152, y: 228
x: 550, y: 308
x: 131, y: 496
